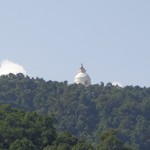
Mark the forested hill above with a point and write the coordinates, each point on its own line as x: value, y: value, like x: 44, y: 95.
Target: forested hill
x: 85, y: 112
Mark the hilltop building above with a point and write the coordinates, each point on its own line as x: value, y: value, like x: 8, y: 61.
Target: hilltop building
x: 82, y: 77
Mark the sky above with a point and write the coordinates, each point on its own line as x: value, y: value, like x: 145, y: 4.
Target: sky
x: 50, y: 39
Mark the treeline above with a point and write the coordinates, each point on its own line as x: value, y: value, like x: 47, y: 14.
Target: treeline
x: 85, y: 112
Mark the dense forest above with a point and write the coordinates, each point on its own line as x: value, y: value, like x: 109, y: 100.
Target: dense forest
x: 21, y: 130
x: 103, y: 115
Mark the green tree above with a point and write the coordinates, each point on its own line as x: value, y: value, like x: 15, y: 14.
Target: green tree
x: 23, y: 144
x: 109, y: 141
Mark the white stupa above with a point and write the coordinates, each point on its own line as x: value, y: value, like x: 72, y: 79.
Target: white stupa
x: 82, y: 77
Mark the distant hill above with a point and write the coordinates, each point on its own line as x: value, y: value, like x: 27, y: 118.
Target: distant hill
x: 85, y: 112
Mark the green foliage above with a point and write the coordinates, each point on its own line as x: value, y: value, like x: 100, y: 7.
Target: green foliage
x: 23, y: 144
x: 109, y: 141
x: 65, y: 141
x: 20, y: 130
x: 83, y: 111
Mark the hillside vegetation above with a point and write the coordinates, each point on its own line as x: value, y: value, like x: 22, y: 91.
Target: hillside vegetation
x: 21, y: 130
x: 86, y: 112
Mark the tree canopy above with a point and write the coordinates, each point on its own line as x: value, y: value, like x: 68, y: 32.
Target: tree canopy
x: 20, y: 130
x: 85, y: 112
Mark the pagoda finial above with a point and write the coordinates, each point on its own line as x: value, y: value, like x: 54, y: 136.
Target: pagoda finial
x: 82, y: 68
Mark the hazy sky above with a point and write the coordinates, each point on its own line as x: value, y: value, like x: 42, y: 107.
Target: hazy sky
x: 51, y: 38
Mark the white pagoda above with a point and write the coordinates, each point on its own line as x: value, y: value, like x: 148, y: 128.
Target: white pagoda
x: 82, y: 77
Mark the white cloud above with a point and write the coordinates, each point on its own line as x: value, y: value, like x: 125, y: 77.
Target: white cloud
x: 117, y: 83
x: 8, y: 66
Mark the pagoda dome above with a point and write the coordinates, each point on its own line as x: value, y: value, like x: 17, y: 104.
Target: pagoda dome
x: 82, y: 77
